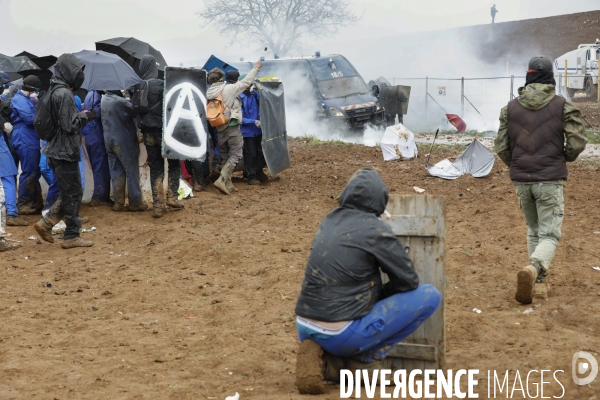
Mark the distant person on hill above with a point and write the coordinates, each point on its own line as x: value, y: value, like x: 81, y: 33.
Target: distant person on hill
x: 539, y: 133
x: 493, y: 11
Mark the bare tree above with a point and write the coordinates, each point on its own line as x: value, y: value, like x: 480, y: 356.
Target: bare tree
x: 277, y: 24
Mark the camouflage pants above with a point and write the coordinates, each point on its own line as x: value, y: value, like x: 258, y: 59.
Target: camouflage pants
x: 543, y: 206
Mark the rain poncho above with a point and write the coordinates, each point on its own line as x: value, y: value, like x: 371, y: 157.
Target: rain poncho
x: 152, y: 121
x: 66, y: 143
x: 342, y: 280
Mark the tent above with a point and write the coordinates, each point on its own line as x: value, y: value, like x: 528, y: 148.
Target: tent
x: 476, y: 160
x: 214, y: 62
x: 398, y: 139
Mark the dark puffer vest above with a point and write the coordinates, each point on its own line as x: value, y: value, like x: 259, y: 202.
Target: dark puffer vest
x: 537, y: 142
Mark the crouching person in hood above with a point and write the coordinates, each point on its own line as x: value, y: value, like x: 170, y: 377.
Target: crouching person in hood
x: 63, y: 153
x: 229, y: 135
x: 344, y: 310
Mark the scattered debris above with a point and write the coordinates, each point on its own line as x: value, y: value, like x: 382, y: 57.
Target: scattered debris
x: 236, y: 396
x: 418, y: 189
x: 529, y: 310
x: 59, y: 228
x: 92, y: 229
x: 476, y: 160
x: 477, y: 310
x: 32, y: 238
x: 596, y: 268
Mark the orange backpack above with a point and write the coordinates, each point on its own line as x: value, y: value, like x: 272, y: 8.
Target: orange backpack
x: 215, y: 111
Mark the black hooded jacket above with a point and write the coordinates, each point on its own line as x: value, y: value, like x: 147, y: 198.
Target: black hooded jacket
x: 66, y: 142
x: 151, y: 123
x: 342, y: 280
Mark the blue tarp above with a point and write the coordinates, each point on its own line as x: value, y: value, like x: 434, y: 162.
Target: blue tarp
x: 214, y: 62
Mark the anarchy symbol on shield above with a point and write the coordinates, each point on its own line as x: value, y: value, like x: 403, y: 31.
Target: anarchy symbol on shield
x: 185, y: 91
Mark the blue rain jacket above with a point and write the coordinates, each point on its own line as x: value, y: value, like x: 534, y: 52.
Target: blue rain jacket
x: 250, y: 113
x: 22, y: 119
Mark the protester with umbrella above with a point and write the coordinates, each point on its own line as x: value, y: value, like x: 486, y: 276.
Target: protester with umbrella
x: 132, y: 50
x: 9, y: 214
x: 151, y: 124
x: 26, y: 143
x: 94, y: 144
x: 62, y: 151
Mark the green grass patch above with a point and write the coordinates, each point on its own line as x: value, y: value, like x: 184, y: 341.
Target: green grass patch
x: 315, y: 141
x: 471, y: 133
x: 592, y: 136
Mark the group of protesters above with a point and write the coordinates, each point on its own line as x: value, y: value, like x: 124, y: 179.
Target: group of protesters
x: 109, y: 129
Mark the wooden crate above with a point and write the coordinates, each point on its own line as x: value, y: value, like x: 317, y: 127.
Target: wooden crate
x: 420, y: 223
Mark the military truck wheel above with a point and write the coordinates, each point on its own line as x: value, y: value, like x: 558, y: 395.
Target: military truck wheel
x: 591, y: 90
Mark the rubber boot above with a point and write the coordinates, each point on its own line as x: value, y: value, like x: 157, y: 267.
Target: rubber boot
x: 332, y: 367
x: 541, y: 288
x: 309, y: 368
x: 261, y: 176
x: 76, y: 242
x: 139, y: 208
x: 525, y: 282
x: 173, y: 201
x: 229, y: 186
x: 12, y: 220
x: 44, y: 229
x: 27, y: 210
x: 8, y: 245
x: 221, y: 182
x: 158, y: 212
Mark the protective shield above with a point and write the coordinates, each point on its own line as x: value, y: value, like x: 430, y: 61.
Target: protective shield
x: 394, y: 99
x: 185, y: 133
x: 272, y: 119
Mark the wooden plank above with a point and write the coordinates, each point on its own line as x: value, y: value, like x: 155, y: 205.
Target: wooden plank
x: 415, y: 351
x: 409, y: 225
x: 420, y: 223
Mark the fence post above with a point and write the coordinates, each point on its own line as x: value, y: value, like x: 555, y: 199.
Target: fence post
x: 426, y: 95
x: 597, y: 82
x: 560, y: 89
x: 566, y: 79
x: 462, y: 97
x: 512, y: 87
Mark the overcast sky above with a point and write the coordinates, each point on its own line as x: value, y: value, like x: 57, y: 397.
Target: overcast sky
x: 53, y: 27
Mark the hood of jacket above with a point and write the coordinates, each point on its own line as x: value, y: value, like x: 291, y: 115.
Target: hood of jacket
x: 214, y: 90
x: 536, y: 95
x: 365, y: 192
x: 148, y: 67
x: 67, y: 67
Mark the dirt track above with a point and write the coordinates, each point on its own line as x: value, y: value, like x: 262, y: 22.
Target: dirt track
x: 200, y: 304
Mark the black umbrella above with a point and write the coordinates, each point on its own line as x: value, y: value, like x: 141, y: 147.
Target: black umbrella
x: 43, y: 73
x: 27, y: 54
x: 13, y: 65
x: 132, y: 50
x: 105, y: 71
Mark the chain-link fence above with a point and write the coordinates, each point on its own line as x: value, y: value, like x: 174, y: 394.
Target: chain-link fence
x: 477, y: 101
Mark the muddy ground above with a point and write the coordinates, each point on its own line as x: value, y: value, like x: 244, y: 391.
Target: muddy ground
x: 200, y: 304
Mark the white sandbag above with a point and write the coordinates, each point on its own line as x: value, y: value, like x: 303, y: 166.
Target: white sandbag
x: 398, y: 141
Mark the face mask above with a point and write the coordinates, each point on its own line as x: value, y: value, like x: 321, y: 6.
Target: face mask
x: 78, y: 80
x: 33, y: 95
